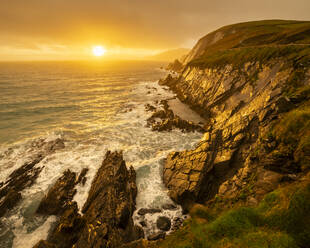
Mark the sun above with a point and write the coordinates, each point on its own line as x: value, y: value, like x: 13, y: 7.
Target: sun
x: 98, y: 51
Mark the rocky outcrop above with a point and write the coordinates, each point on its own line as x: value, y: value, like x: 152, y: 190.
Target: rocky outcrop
x: 106, y: 219
x: 165, y: 120
x: 59, y: 196
x: 241, y: 105
x: 25, y: 176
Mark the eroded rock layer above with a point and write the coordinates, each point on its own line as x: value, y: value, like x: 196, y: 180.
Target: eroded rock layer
x: 241, y: 106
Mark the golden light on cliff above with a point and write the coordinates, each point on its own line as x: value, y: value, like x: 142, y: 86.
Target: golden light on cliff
x: 99, y: 51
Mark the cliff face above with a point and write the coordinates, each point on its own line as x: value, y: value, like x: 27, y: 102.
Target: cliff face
x: 243, y: 87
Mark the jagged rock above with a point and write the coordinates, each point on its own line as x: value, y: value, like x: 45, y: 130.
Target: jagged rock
x: 26, y: 175
x: 107, y: 213
x: 82, y: 177
x: 68, y: 228
x: 163, y: 223
x: 19, y: 179
x: 156, y: 236
x: 169, y: 121
x: 62, y: 192
x: 111, y: 202
x: 143, y: 211
x: 9, y: 201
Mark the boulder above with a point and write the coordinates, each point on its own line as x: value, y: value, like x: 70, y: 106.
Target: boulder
x: 163, y: 223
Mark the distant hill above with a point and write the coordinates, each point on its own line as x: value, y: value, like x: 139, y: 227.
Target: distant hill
x: 169, y: 55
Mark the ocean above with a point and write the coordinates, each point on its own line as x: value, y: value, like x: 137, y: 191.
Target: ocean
x: 93, y: 107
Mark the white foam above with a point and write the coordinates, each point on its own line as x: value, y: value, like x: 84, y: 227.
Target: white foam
x: 142, y: 148
x: 25, y: 239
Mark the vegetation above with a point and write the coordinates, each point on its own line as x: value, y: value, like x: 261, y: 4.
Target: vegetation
x: 280, y: 220
x: 256, y: 41
x: 293, y: 134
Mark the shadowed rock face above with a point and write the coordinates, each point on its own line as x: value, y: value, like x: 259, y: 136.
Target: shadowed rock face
x: 107, y: 213
x: 241, y: 106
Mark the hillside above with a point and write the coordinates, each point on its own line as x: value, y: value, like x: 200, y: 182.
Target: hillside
x: 246, y: 184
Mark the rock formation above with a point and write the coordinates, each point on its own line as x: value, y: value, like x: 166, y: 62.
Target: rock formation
x: 107, y: 214
x: 25, y: 175
x: 242, y: 99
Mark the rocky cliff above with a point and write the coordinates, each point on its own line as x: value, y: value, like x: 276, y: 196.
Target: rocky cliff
x: 251, y: 82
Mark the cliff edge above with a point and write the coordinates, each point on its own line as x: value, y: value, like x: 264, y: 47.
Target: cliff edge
x: 251, y: 81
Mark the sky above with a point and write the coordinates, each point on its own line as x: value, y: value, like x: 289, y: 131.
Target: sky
x: 68, y: 29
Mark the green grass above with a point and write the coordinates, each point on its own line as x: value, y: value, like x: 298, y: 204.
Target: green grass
x: 280, y: 221
x: 255, y: 41
x: 293, y: 134
x: 262, y: 54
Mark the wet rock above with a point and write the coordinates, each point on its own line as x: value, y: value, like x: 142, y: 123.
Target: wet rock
x: 166, y: 120
x: 62, y: 192
x: 163, y: 223
x: 110, y: 203
x: 107, y: 213
x: 19, y: 179
x: 156, y: 236
x: 144, y: 211
x: 25, y: 175
x: 82, y: 177
x: 9, y: 201
x: 68, y: 228
x: 169, y: 206
x: 149, y: 108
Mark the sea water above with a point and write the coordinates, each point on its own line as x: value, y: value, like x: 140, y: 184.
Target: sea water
x: 92, y: 107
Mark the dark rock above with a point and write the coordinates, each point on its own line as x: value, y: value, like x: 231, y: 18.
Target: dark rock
x: 68, y: 228
x: 143, y: 211
x: 26, y: 175
x: 44, y: 244
x: 62, y: 192
x: 156, y: 236
x: 170, y: 121
x: 143, y: 223
x: 149, y: 108
x: 82, y: 176
x: 107, y: 213
x: 9, y: 201
x: 163, y: 223
x: 169, y: 206
x: 19, y: 179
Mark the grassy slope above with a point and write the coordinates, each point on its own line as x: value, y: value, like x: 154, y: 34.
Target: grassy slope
x: 282, y: 219
x: 257, y: 41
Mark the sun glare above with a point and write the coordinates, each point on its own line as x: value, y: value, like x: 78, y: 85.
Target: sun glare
x: 99, y: 51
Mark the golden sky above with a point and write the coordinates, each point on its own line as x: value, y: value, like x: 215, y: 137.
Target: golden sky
x: 68, y: 29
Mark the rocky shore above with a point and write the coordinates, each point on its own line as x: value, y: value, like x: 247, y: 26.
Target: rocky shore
x: 106, y: 218
x: 255, y: 141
